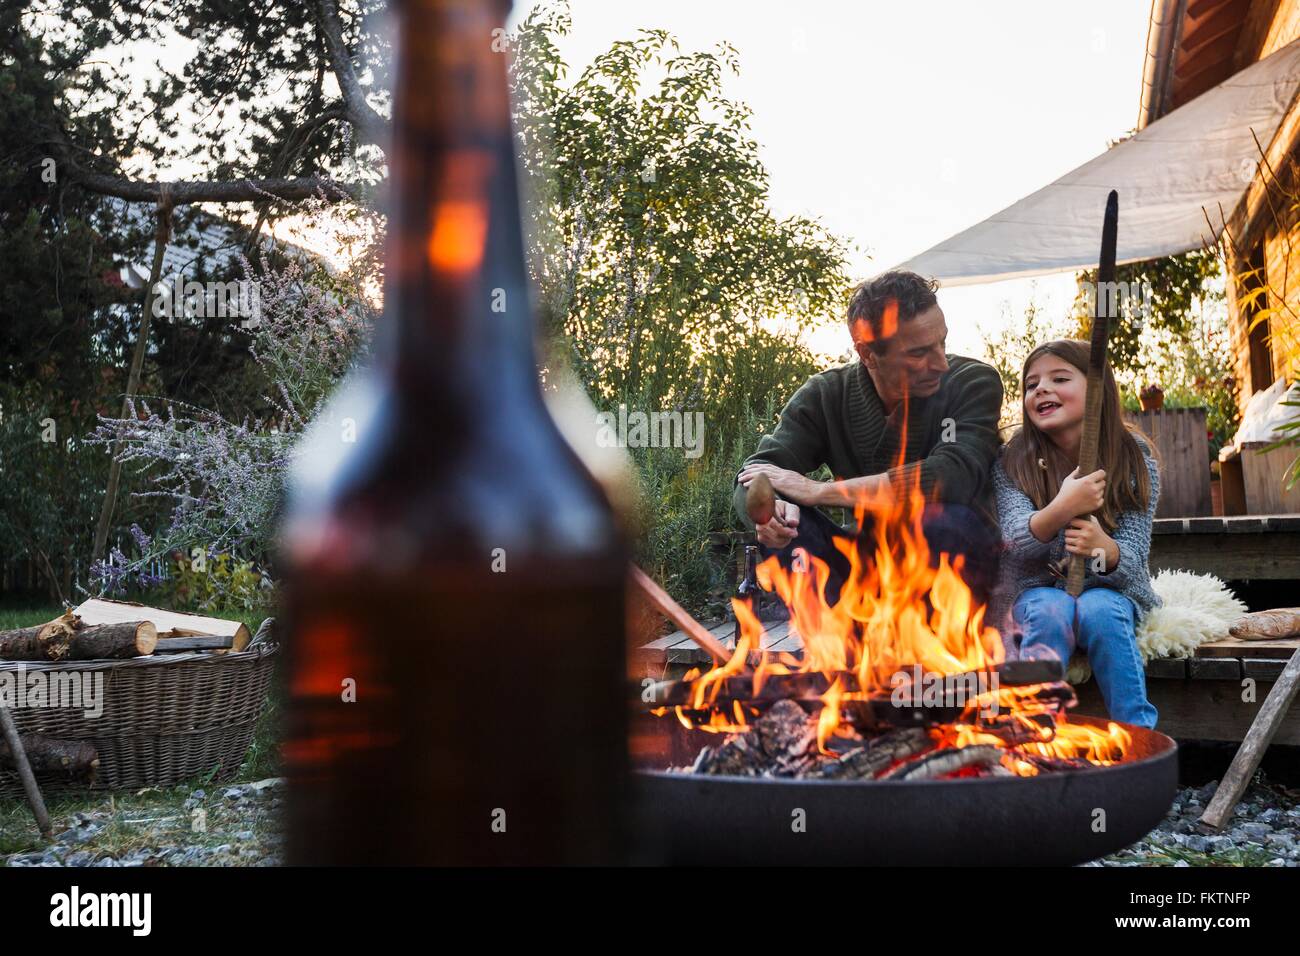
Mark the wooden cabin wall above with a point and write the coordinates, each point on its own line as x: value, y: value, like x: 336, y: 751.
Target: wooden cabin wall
x: 1270, y: 25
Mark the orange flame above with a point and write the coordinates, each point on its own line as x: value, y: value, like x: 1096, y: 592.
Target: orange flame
x: 896, y: 612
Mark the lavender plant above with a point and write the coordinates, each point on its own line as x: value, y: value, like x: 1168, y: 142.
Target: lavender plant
x: 223, y: 478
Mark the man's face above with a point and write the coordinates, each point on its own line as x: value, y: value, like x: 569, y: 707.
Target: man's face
x: 914, y: 362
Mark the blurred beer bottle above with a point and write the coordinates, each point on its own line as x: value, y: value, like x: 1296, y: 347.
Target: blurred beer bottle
x: 455, y: 582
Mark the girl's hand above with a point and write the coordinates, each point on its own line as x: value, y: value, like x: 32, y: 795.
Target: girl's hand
x: 1082, y: 496
x: 1085, y: 537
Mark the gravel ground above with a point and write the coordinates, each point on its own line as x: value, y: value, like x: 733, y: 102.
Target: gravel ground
x: 238, y: 825
x: 1264, y: 831
x: 235, y: 825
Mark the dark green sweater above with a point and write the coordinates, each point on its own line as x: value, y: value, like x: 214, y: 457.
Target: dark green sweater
x: 836, y: 418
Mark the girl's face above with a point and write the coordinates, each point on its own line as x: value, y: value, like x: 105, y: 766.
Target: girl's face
x: 1054, y: 394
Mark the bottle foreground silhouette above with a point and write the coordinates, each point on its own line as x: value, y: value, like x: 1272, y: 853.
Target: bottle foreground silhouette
x: 455, y: 584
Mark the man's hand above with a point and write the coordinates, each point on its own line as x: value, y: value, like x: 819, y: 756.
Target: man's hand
x: 782, y: 529
x: 789, y: 484
x: 1085, y: 537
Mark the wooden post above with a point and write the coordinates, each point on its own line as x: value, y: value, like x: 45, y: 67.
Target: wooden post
x: 1252, y: 748
x: 19, y: 756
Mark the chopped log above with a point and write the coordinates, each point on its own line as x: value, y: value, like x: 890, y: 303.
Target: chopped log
x: 199, y: 642
x: 114, y: 641
x: 168, y: 623
x: 44, y: 642
x: 13, y: 745
x: 64, y: 759
x: 943, y: 762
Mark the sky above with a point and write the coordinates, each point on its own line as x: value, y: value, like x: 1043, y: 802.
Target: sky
x: 899, y: 124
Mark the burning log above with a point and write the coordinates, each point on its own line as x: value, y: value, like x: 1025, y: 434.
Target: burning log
x: 66, y: 759
x: 943, y: 762
x: 806, y: 685
x: 880, y: 753
x: 783, y: 743
x: 1054, y: 764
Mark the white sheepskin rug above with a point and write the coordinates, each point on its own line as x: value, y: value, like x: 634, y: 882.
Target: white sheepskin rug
x: 1195, y: 608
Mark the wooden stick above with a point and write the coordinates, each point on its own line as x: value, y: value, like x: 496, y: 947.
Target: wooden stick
x: 693, y: 629
x: 1252, y: 749
x: 19, y: 757
x: 1096, y: 369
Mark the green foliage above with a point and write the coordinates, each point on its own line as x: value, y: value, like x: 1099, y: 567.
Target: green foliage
x: 1175, y: 285
x: 666, y: 282
x: 653, y: 245
x: 1189, y: 358
x: 1195, y: 370
x: 252, y: 99
x: 219, y: 584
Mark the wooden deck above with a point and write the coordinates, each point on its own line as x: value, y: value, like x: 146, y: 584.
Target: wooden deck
x: 1250, y: 547
x: 1205, y: 697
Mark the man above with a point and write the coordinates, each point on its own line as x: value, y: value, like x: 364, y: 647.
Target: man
x: 852, y: 419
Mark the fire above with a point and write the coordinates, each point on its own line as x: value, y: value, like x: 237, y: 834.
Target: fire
x: 895, y: 614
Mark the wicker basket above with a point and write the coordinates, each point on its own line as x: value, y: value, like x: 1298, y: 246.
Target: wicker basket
x: 165, y: 718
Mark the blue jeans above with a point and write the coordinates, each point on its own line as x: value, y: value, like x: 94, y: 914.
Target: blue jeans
x: 1102, y: 623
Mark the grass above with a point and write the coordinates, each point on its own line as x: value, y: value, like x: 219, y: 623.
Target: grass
x: 151, y: 816
x: 25, y: 614
x: 1171, y: 855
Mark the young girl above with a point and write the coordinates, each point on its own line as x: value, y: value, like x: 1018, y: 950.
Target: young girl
x: 1048, y: 511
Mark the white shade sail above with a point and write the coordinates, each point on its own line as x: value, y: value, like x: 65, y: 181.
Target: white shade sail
x: 1201, y: 156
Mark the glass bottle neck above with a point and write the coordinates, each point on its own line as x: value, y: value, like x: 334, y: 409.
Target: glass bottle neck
x: 458, y: 316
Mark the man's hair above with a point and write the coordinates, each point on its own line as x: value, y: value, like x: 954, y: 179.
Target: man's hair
x: 880, y: 303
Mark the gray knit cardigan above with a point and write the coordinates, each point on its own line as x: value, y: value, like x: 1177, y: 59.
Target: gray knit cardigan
x: 1025, y: 559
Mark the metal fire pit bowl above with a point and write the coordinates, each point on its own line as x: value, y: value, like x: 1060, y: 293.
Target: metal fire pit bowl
x: 1053, y: 819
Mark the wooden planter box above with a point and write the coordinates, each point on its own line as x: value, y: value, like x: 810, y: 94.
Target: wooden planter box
x: 1184, y: 448
x: 1254, y: 481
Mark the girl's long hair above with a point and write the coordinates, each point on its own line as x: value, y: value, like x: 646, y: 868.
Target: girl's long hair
x: 1038, y: 467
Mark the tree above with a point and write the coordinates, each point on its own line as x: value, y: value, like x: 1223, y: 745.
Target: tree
x: 663, y: 272
x: 666, y: 281
x: 80, y: 124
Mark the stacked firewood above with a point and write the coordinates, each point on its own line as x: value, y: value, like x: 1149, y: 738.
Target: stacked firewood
x: 69, y: 638
x: 112, y: 630
x: 108, y: 630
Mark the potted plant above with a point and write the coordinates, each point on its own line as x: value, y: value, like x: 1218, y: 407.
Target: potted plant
x: 1152, y: 398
